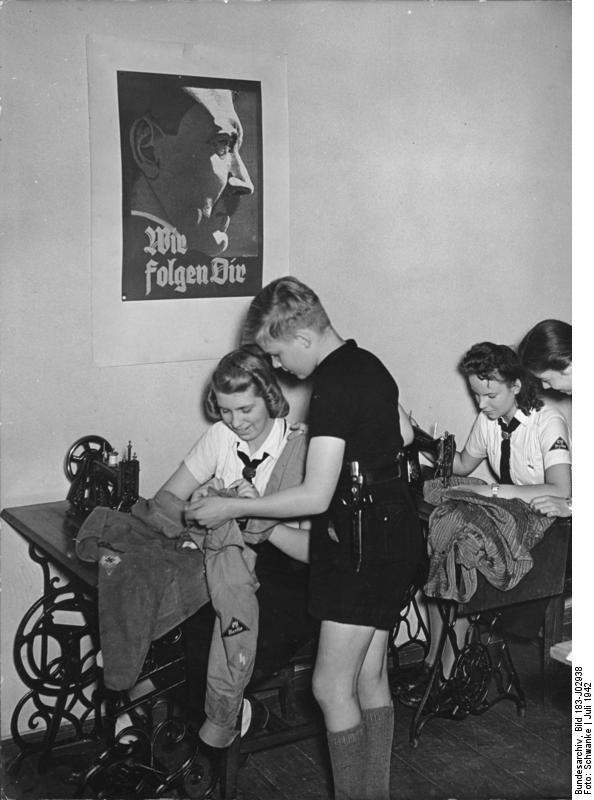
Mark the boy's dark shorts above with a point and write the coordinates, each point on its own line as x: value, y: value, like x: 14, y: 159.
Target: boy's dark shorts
x: 394, y: 554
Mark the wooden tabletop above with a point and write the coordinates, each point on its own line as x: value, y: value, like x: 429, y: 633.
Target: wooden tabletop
x: 51, y: 528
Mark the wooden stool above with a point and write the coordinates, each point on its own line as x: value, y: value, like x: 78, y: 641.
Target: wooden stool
x: 282, y: 728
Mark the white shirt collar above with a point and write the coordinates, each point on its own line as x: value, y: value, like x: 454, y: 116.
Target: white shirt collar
x: 523, y: 418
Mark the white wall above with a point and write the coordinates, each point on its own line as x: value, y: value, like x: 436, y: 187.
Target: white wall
x: 430, y: 208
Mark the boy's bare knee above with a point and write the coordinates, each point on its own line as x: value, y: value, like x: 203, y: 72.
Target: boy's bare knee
x: 318, y: 684
x: 327, y: 690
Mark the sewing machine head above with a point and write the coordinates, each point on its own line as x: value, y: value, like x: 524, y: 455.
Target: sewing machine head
x: 441, y: 450
x: 98, y: 478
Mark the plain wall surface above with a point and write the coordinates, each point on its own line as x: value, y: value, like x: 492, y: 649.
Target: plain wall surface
x: 430, y: 151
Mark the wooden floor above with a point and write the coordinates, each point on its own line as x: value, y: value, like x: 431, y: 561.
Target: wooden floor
x: 498, y: 756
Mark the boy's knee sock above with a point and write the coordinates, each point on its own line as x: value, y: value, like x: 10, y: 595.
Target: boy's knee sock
x: 379, y: 730
x: 347, y: 756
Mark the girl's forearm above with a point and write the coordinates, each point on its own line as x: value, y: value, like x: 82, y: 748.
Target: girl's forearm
x: 528, y: 493
x: 463, y: 464
x: 294, y: 542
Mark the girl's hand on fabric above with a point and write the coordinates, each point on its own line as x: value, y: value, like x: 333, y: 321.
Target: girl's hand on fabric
x: 210, y: 512
x: 483, y: 491
x: 244, y: 488
x: 550, y: 506
x: 202, y: 491
x: 297, y: 429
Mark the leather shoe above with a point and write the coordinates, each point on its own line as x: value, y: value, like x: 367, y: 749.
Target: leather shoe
x: 412, y: 695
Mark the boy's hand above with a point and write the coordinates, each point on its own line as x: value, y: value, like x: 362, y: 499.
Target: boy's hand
x: 210, y: 512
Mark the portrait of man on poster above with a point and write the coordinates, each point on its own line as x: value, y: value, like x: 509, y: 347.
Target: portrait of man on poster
x: 191, y: 193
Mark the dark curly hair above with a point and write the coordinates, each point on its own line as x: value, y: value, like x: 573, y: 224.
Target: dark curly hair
x: 498, y: 362
x: 239, y: 370
x: 546, y: 346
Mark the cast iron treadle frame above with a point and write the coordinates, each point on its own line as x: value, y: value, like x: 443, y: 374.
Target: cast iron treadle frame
x: 55, y: 654
x: 483, y: 673
x: 149, y: 758
x: 414, y: 649
x: 157, y: 751
x: 56, y: 661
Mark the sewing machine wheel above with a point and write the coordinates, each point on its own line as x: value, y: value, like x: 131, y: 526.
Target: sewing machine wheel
x: 81, y: 450
x: 472, y: 673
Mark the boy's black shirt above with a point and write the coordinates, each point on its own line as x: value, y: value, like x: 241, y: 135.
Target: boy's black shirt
x: 355, y: 398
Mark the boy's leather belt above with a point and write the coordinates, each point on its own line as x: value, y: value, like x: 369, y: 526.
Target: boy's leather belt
x: 375, y: 474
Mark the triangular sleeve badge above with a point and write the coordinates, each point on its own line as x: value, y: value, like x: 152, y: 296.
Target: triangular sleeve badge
x: 235, y: 627
x: 559, y: 444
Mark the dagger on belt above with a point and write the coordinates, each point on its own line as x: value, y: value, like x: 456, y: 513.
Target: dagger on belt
x: 357, y: 501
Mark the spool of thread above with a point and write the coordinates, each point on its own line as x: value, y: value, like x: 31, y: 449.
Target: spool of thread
x: 112, y: 459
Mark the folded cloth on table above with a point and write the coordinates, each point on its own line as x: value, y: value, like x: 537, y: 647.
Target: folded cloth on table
x: 146, y: 587
x: 490, y: 535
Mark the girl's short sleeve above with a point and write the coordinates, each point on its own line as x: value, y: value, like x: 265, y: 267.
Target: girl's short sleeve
x: 203, y: 458
x: 477, y: 442
x: 553, y: 436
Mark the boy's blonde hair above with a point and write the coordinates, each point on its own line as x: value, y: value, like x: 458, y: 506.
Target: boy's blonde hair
x: 282, y: 307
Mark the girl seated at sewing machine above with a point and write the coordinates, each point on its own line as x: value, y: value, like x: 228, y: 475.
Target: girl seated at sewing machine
x: 526, y: 445
x: 241, y: 450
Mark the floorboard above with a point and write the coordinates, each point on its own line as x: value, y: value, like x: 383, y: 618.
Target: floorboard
x: 496, y: 756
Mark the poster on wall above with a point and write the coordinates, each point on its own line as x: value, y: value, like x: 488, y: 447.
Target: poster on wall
x: 191, y: 150
x: 189, y: 195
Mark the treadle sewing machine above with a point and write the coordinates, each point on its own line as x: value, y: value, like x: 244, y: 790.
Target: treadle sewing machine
x: 441, y: 451
x: 66, y: 712
x: 483, y: 672
x: 98, y: 478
